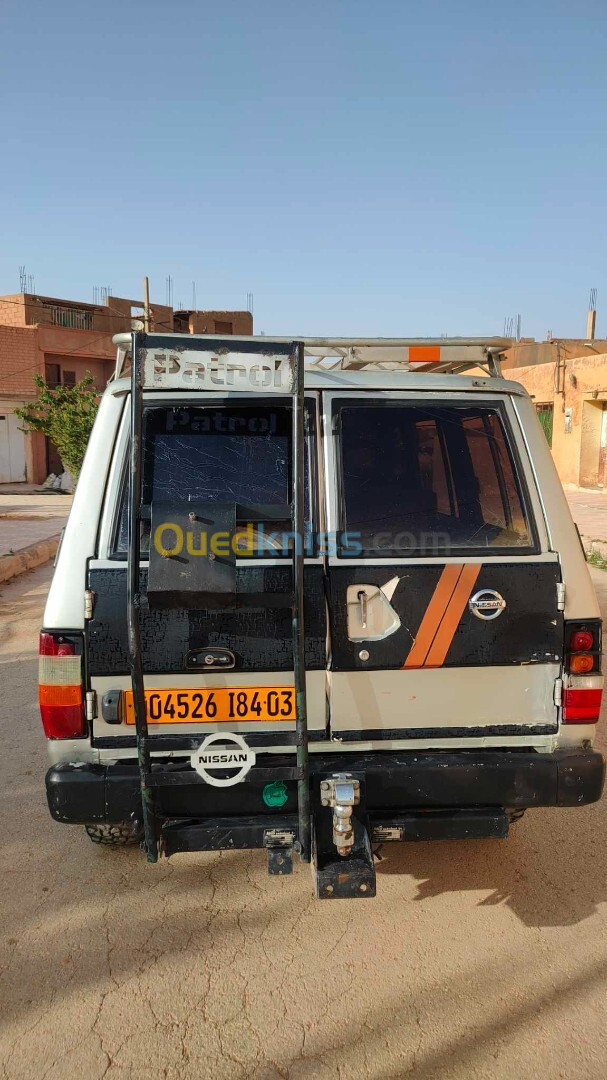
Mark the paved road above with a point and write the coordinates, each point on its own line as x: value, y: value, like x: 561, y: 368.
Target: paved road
x: 26, y: 519
x: 477, y: 960
x: 589, y: 510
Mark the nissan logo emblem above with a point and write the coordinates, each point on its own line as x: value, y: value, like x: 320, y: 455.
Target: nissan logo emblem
x: 486, y: 604
x: 224, y: 750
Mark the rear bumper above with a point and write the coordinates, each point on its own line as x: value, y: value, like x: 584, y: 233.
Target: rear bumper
x: 393, y: 783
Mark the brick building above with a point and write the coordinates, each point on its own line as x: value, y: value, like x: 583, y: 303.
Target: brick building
x: 63, y: 340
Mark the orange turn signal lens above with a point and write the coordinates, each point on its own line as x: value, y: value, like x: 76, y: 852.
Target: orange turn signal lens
x: 60, y: 695
x: 581, y: 663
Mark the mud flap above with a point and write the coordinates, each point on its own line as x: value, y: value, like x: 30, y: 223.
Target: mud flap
x: 338, y: 877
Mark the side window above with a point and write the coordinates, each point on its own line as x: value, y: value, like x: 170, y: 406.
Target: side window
x: 427, y: 480
x: 238, y: 454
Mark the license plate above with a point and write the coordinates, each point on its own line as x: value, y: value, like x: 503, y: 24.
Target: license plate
x: 266, y: 704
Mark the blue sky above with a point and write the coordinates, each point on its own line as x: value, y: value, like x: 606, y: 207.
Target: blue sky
x: 362, y: 168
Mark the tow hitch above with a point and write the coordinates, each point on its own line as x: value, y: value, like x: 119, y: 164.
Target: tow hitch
x: 341, y: 793
x: 342, y: 858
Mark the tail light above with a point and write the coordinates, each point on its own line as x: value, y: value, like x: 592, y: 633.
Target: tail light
x: 60, y: 690
x: 583, y: 648
x: 581, y: 663
x: 581, y: 640
x: 582, y: 704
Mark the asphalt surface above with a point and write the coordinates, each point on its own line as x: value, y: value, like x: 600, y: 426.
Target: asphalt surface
x: 27, y: 519
x: 477, y: 959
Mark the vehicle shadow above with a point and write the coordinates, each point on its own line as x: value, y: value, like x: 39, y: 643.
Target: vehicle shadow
x: 551, y: 871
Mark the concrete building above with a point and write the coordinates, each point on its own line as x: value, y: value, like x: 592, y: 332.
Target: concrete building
x: 568, y: 381
x: 63, y: 340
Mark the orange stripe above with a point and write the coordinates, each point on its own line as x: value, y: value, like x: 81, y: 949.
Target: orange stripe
x: 424, y: 354
x: 433, y: 615
x: 451, y: 619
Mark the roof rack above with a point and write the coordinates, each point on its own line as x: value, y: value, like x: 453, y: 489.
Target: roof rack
x: 440, y: 355
x: 443, y: 355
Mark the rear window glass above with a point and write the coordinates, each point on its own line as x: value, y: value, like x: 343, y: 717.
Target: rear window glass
x: 233, y: 454
x: 426, y: 480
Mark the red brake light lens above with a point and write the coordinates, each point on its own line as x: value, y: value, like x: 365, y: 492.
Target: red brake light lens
x: 581, y: 641
x: 581, y: 706
x: 60, y: 692
x: 55, y: 645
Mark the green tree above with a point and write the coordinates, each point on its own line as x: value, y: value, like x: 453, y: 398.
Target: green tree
x: 66, y: 414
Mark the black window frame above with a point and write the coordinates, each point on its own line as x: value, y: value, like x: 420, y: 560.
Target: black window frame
x: 490, y: 404
x: 311, y: 418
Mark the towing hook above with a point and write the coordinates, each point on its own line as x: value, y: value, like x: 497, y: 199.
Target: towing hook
x: 341, y: 793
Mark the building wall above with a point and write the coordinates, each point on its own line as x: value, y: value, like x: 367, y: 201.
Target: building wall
x: 87, y: 343
x: 20, y: 360
x: 528, y: 353
x: 577, y: 389
x: 215, y: 322
x: 24, y: 352
x: 12, y: 310
x: 115, y: 317
x: 32, y: 337
x: 100, y: 370
x: 80, y: 351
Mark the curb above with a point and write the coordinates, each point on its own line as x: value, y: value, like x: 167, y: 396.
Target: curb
x: 28, y: 558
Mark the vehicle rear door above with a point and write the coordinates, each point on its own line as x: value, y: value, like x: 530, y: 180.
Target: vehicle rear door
x: 229, y: 666
x: 444, y: 608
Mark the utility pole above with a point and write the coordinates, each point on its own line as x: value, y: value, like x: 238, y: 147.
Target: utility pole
x: 146, y: 305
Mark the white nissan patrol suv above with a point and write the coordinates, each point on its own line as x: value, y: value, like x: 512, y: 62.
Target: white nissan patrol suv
x: 313, y: 596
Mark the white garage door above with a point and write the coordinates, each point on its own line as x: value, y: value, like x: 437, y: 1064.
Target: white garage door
x: 12, y: 449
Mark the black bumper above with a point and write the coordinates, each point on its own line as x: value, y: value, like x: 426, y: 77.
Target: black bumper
x: 393, y: 783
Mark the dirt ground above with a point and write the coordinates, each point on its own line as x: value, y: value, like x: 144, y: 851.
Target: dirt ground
x: 477, y: 959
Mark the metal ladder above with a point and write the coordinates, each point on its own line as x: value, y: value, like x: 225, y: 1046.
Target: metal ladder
x: 151, y: 778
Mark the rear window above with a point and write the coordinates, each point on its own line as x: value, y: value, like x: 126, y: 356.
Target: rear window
x: 231, y: 454
x: 429, y: 480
